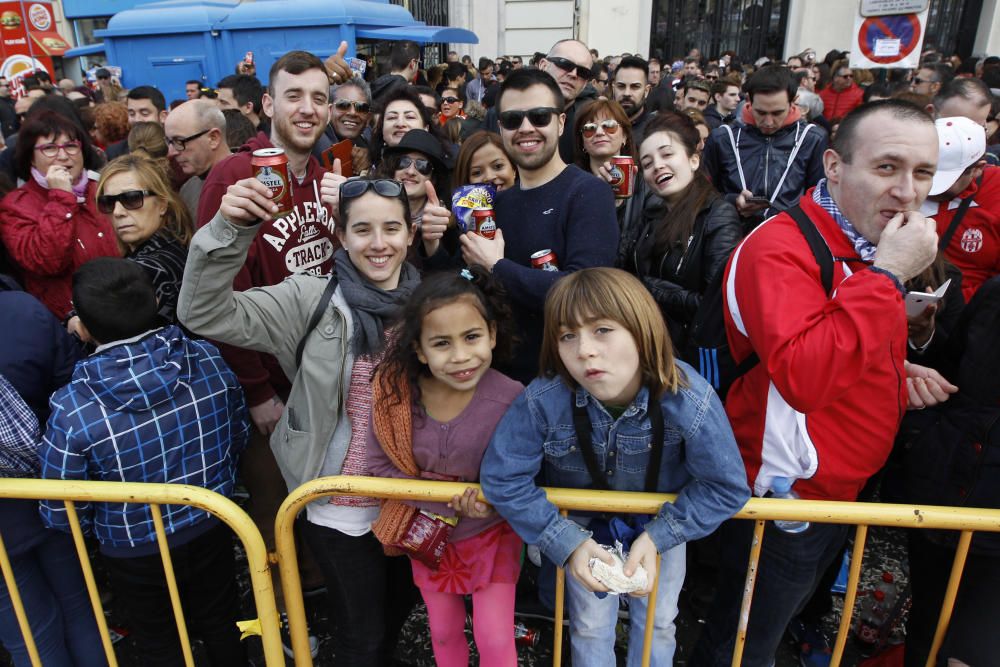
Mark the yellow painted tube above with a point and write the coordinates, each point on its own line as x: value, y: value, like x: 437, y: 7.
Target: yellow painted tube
x: 948, y: 605
x: 15, y: 601
x: 854, y: 575
x: 741, y: 633
x: 88, y: 577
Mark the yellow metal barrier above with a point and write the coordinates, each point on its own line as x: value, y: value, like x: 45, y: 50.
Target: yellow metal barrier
x: 760, y: 510
x: 154, y: 495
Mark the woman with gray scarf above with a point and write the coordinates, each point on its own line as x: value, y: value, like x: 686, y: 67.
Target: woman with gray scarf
x: 328, y: 334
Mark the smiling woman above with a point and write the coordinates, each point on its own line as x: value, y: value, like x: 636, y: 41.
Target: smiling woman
x: 151, y: 223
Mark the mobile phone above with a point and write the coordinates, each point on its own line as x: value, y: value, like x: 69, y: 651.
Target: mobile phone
x: 248, y: 58
x: 916, y: 302
x: 357, y: 65
x: 761, y: 201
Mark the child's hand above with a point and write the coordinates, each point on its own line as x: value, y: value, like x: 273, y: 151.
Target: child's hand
x: 579, y: 565
x: 643, y: 552
x: 466, y: 505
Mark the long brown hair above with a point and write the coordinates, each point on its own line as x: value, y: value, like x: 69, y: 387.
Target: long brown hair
x: 678, y: 223
x: 601, y: 108
x: 605, y: 293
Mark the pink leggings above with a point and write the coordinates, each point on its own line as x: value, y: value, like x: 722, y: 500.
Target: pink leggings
x: 492, y: 626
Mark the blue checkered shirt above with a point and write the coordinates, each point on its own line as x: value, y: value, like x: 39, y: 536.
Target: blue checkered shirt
x: 19, y: 436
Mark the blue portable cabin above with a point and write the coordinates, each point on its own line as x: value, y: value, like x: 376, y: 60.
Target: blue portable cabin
x: 168, y: 43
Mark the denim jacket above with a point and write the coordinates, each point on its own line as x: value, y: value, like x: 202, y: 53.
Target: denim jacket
x: 701, y: 462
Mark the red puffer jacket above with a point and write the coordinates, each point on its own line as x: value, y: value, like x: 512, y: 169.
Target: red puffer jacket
x: 50, y: 234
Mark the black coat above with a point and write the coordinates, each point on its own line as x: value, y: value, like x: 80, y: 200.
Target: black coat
x: 678, y: 279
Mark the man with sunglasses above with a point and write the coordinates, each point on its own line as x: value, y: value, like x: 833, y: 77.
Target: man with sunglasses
x: 629, y: 88
x: 571, y: 64
x: 843, y: 95
x: 196, y: 142
x: 553, y: 206
x: 350, y: 113
x: 930, y: 78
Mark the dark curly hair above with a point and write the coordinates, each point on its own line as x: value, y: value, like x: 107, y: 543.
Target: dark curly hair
x: 437, y: 290
x: 50, y: 123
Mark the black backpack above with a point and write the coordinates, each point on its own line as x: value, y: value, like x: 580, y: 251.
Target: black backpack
x: 706, y: 346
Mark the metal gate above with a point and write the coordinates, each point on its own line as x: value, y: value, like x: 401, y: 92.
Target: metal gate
x: 431, y: 12
x: 948, y: 20
x: 751, y: 28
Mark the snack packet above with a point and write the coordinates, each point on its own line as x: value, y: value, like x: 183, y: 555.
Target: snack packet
x: 613, y: 576
x: 467, y: 198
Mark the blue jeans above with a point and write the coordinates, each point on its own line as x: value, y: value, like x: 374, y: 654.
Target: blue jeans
x: 790, y: 567
x: 55, y: 600
x: 592, y: 620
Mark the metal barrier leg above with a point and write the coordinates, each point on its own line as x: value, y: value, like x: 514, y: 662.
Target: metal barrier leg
x: 741, y: 635
x: 948, y: 605
x: 15, y: 600
x: 168, y: 570
x: 557, y: 630
x: 647, y: 638
x: 88, y: 577
x: 857, y: 555
x: 291, y: 584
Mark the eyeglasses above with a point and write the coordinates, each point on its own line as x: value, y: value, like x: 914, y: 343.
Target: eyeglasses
x: 567, y: 65
x: 423, y: 166
x: 180, y: 143
x: 130, y: 199
x: 353, y: 188
x: 846, y: 76
x: 449, y: 100
x: 345, y: 105
x: 538, y: 117
x: 71, y: 148
x: 610, y: 126
x: 712, y: 77
x: 917, y: 80
x: 603, y: 82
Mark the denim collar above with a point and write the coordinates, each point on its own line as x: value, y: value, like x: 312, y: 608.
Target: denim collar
x: 638, y: 407
x: 864, y: 247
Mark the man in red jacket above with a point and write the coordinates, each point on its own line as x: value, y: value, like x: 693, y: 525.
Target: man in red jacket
x: 822, y: 405
x: 842, y: 95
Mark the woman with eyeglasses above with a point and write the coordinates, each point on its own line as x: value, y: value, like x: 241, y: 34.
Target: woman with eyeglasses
x: 50, y: 225
x: 452, y: 105
x: 484, y: 160
x: 679, y: 245
x: 601, y: 131
x: 151, y: 223
x: 328, y: 334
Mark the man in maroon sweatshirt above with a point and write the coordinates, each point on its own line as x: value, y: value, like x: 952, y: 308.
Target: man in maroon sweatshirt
x: 303, y: 240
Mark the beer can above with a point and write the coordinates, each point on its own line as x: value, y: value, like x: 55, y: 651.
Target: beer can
x: 483, y: 222
x: 544, y: 260
x: 270, y: 167
x: 525, y: 636
x: 622, y: 176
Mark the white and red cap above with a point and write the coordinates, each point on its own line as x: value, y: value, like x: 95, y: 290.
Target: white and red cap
x: 961, y: 142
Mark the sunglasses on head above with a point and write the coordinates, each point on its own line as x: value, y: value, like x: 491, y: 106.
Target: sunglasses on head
x: 538, y: 117
x: 353, y: 188
x: 422, y: 165
x: 567, y: 65
x: 450, y: 100
x: 344, y: 105
x: 130, y: 199
x: 609, y: 125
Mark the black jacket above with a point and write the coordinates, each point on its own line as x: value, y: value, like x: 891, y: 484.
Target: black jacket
x: 678, y: 278
x: 764, y: 158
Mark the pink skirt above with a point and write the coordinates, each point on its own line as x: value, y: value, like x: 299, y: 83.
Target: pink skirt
x: 491, y: 557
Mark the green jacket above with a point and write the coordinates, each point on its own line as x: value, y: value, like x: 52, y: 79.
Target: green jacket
x: 273, y: 319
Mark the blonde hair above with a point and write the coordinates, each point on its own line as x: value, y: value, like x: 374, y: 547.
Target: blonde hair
x: 605, y: 293
x: 176, y: 221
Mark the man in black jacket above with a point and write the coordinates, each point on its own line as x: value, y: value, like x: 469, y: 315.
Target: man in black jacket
x: 570, y: 63
x: 770, y: 156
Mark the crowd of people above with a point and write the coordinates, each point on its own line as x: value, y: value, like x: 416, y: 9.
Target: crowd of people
x: 800, y: 288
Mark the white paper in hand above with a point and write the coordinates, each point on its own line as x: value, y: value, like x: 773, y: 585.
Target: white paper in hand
x: 613, y: 576
x: 916, y: 302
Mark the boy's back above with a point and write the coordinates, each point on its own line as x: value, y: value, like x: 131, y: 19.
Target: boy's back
x: 158, y: 408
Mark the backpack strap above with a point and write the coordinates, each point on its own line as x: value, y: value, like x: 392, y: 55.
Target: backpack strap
x: 736, y: 154
x: 824, y: 258
x: 959, y: 214
x: 324, y: 302
x: 791, y: 159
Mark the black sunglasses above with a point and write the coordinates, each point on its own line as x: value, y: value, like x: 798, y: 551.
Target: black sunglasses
x: 353, y: 188
x: 539, y: 117
x: 344, y: 105
x: 130, y: 199
x: 422, y: 165
x: 567, y: 65
x: 450, y: 100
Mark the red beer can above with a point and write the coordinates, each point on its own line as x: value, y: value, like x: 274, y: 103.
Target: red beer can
x: 622, y: 176
x: 544, y: 260
x: 270, y: 167
x: 525, y: 636
x: 483, y: 223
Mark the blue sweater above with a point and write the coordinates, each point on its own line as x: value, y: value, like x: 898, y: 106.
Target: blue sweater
x: 163, y: 408
x: 574, y: 216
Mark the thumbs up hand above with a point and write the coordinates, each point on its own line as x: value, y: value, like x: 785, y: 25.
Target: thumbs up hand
x: 435, y: 221
x: 329, y: 187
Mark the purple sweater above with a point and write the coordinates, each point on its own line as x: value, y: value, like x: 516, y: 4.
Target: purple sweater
x: 454, y: 448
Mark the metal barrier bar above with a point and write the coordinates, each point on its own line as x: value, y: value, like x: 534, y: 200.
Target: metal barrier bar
x: 647, y: 635
x: 15, y: 601
x: 175, y: 596
x: 88, y: 577
x: 560, y: 611
x: 589, y: 500
x: 948, y: 605
x: 166, y: 494
x: 857, y: 556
